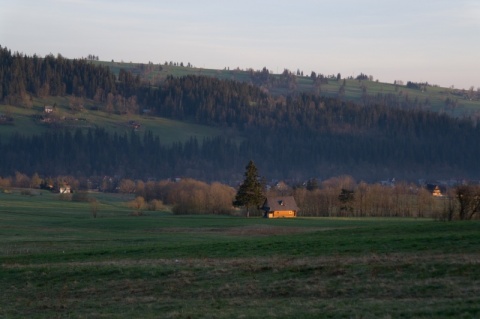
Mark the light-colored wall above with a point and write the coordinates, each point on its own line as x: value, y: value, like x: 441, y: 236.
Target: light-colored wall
x: 282, y: 214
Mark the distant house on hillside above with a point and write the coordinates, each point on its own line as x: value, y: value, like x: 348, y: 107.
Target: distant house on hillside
x: 280, y: 207
x: 436, y: 190
x: 65, y: 189
x: 134, y: 124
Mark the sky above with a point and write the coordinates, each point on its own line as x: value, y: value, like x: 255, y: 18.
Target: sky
x: 434, y: 41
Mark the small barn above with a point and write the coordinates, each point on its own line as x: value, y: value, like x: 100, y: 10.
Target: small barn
x: 280, y: 207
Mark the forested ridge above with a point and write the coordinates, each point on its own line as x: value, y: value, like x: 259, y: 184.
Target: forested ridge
x: 294, y: 136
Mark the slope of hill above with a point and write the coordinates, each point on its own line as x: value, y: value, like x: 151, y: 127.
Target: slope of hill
x: 33, y: 121
x: 454, y: 102
x: 99, y: 126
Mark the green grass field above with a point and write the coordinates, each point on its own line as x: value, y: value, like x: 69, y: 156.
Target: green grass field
x: 57, y: 261
x: 169, y: 131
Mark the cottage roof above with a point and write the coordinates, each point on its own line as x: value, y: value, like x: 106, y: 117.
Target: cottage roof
x: 281, y: 203
x: 432, y: 187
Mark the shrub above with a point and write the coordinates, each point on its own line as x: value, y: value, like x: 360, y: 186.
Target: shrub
x: 138, y: 203
x: 26, y: 192
x: 94, y: 207
x: 155, y: 205
x: 195, y: 197
x: 80, y: 197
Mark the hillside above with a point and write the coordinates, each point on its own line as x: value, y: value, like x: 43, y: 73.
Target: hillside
x: 454, y: 102
x: 33, y: 121
x: 205, y: 127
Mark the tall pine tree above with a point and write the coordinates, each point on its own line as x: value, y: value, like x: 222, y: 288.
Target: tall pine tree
x: 250, y: 192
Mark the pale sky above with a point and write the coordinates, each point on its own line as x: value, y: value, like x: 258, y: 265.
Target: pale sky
x: 410, y: 40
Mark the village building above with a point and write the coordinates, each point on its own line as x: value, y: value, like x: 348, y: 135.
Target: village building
x: 436, y: 190
x: 48, y: 109
x: 65, y: 189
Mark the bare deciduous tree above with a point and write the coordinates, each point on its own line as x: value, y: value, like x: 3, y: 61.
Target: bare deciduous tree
x: 468, y: 197
x: 137, y: 204
x: 94, y: 207
x: 127, y: 186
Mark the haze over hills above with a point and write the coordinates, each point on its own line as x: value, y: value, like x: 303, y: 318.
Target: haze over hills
x: 122, y: 119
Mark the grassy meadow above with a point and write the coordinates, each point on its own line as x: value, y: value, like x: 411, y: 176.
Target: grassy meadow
x: 57, y: 261
x: 169, y: 131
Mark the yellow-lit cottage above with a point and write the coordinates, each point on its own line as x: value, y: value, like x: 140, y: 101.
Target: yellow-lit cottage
x: 280, y: 207
x: 435, y: 190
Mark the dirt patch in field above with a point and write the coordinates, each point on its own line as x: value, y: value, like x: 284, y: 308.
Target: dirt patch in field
x: 254, y: 230
x: 259, y: 263
x: 266, y: 230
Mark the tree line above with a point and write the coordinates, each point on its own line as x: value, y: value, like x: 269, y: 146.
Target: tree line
x: 316, y: 199
x: 96, y: 152
x: 22, y: 76
x: 282, y: 154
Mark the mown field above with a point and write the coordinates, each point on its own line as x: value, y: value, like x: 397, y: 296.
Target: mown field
x: 57, y: 261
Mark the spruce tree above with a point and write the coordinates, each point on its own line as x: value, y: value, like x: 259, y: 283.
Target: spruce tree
x: 250, y: 192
